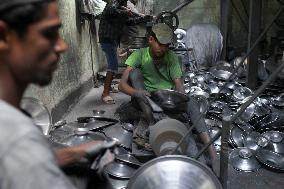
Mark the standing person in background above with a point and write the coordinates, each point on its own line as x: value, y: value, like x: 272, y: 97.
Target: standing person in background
x: 30, y: 47
x: 114, y: 17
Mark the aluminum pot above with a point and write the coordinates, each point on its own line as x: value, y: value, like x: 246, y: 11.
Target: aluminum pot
x: 39, y: 113
x: 118, y: 133
x: 173, y: 172
x: 170, y: 100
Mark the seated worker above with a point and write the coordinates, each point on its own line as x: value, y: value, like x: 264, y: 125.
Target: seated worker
x: 157, y: 68
x: 30, y: 47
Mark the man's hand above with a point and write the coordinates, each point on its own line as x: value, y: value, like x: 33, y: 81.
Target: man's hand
x: 142, y: 94
x: 95, y: 149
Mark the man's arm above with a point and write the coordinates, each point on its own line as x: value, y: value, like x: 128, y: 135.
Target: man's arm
x: 179, y: 85
x: 65, y: 156
x: 123, y: 85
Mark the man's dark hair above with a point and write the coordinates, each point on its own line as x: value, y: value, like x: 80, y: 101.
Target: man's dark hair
x: 20, y: 17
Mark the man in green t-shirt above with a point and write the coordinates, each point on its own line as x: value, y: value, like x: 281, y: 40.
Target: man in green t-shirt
x: 157, y: 68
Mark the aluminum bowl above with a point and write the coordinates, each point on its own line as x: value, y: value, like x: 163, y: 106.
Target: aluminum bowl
x: 173, y: 172
x: 170, y: 100
x: 39, y: 113
x: 122, y: 136
x: 277, y: 140
x: 82, y: 136
x: 119, y: 170
x: 241, y: 93
x: 236, y: 136
x: 270, y: 159
x: 243, y: 159
x: 221, y: 74
x: 128, y: 159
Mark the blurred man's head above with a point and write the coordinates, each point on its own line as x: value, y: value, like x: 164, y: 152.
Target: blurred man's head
x: 160, y: 37
x: 29, y: 40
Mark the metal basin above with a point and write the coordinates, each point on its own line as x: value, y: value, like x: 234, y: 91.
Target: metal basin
x: 279, y: 101
x: 170, y: 100
x: 249, y: 111
x: 270, y: 159
x: 243, y: 159
x: 117, y: 133
x: 82, y: 136
x: 277, y: 140
x: 128, y: 159
x: 173, y: 172
x: 119, y: 170
x: 241, y: 93
x: 221, y: 74
x: 236, y: 136
x: 39, y: 113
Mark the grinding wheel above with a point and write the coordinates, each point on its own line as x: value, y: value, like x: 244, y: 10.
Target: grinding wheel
x: 166, y: 134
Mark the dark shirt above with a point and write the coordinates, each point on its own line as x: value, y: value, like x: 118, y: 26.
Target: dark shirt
x: 113, y: 18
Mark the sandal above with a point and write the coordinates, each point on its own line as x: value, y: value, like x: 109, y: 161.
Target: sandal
x: 108, y: 100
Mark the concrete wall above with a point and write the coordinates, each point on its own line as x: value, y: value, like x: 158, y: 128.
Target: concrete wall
x: 74, y: 76
x: 199, y: 11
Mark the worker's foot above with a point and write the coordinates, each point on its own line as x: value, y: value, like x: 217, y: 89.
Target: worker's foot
x: 108, y: 99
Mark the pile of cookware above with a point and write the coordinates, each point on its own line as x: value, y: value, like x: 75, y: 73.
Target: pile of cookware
x: 256, y: 136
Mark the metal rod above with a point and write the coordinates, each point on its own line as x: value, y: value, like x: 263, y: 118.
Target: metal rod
x: 178, y: 8
x: 224, y: 155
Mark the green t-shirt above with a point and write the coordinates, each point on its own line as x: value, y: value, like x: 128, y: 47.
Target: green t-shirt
x: 169, y: 69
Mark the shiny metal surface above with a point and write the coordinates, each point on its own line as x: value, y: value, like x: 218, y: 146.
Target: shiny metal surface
x: 277, y: 140
x: 128, y: 159
x: 198, y: 92
x: 212, y: 132
x: 241, y: 93
x: 96, y: 122
x: 173, y: 172
x: 170, y: 100
x: 82, y: 136
x: 279, y: 100
x: 233, y: 85
x: 250, y: 140
x: 165, y: 135
x: 59, y: 133
x: 39, y: 113
x: 270, y: 159
x: 221, y: 74
x: 117, y: 183
x: 99, y: 113
x: 128, y: 126
x: 243, y: 159
x: 236, y: 136
x: 122, y: 136
x: 249, y: 111
x: 119, y: 170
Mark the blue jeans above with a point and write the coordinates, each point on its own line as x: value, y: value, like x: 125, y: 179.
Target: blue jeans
x: 111, y: 56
